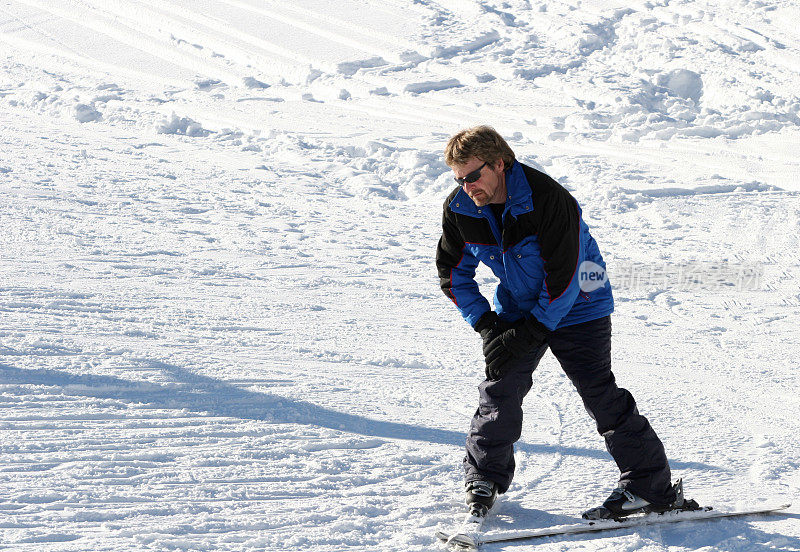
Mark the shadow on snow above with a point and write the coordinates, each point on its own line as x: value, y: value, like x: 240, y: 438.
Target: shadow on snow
x: 198, y: 393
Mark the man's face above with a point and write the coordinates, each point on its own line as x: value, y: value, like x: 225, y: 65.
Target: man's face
x: 489, y: 188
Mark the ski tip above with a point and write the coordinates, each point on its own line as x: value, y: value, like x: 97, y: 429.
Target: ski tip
x: 457, y: 540
x: 776, y: 507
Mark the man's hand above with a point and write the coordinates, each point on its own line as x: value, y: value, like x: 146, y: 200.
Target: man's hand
x: 489, y: 327
x: 514, y: 342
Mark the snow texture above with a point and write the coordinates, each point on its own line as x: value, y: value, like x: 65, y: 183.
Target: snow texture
x: 221, y: 322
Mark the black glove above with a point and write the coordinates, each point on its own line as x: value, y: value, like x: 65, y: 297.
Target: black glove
x: 489, y: 327
x: 514, y: 342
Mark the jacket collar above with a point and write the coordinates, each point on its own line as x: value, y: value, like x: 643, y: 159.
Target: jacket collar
x: 518, y: 201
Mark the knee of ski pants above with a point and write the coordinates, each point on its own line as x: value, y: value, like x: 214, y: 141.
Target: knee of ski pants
x: 499, y: 415
x: 505, y: 395
x: 497, y: 426
x: 618, y: 412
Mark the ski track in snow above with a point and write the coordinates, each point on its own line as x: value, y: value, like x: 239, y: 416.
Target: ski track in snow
x: 222, y: 328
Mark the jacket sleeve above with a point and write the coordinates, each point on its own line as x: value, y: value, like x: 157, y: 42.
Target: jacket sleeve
x: 562, y: 250
x: 456, y: 267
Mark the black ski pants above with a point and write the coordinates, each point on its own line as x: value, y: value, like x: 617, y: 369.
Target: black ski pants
x: 584, y: 352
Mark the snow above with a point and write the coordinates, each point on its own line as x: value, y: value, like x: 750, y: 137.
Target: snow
x: 221, y: 323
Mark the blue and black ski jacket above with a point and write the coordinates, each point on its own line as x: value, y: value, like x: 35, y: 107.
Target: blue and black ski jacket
x: 541, y: 251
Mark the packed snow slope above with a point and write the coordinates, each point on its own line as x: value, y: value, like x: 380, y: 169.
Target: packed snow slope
x: 220, y: 322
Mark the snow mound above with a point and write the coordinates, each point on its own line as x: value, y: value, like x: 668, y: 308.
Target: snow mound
x: 181, y: 125
x: 389, y: 171
x: 431, y: 86
x: 251, y: 82
x: 683, y: 84
x: 86, y: 113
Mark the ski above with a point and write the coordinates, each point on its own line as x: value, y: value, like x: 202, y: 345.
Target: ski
x: 705, y: 513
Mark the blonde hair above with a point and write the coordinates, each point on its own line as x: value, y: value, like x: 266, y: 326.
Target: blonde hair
x: 482, y: 142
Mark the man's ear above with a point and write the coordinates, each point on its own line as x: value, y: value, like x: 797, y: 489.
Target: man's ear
x: 500, y: 165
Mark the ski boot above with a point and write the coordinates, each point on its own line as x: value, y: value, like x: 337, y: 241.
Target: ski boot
x: 480, y: 497
x: 623, y: 503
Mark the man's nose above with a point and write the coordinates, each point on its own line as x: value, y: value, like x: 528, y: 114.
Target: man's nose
x: 471, y: 185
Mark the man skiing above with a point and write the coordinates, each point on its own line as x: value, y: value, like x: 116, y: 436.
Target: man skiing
x: 553, y: 294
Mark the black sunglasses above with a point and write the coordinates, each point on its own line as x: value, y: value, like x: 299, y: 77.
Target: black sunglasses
x: 470, y: 177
